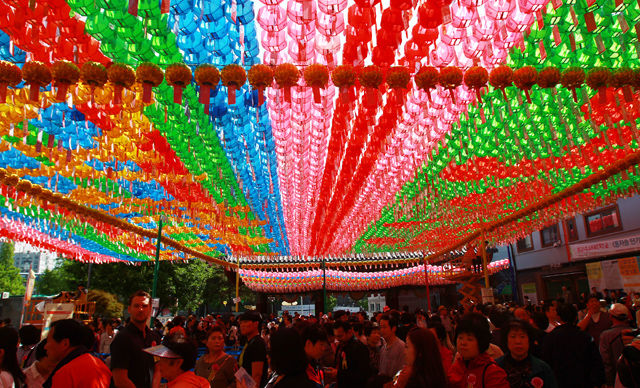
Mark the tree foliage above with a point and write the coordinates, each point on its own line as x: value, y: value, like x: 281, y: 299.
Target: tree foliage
x: 107, y: 305
x: 10, y: 279
x: 181, y: 285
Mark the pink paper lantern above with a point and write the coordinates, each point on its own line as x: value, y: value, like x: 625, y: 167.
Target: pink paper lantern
x: 274, y: 41
x: 531, y: 6
x: 332, y: 7
x: 330, y: 25
x: 272, y: 18
x: 301, y: 12
x: 462, y: 17
x: 302, y: 32
x: 499, y: 9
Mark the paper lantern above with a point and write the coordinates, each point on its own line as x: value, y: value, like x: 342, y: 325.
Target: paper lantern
x: 260, y: 76
x: 178, y: 76
x: 316, y: 76
x: 286, y: 76
x: 622, y: 78
x: 371, y: 78
x: 10, y: 75
x: 524, y: 78
x: 501, y: 78
x: 549, y: 77
x: 598, y: 79
x: 427, y: 78
x: 36, y: 75
x: 121, y: 76
x: 572, y: 78
x: 475, y: 78
x: 206, y: 77
x: 344, y: 77
x: 149, y: 75
x: 233, y: 77
x: 450, y: 78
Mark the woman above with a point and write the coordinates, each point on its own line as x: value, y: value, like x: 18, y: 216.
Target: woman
x: 215, y: 365
x: 106, y: 338
x: 287, y: 360
x: 10, y: 374
x: 446, y: 354
x: 474, y: 367
x: 521, y: 367
x: 424, y: 365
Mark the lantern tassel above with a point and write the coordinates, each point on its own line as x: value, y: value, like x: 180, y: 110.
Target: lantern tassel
x: 146, y: 92
x: 317, y: 97
x: 117, y: 94
x: 34, y: 92
x: 232, y: 94
x: 61, y: 94
x: 602, y: 95
x: 3, y: 93
x: 177, y: 94
x: 260, y: 95
x: 205, y: 94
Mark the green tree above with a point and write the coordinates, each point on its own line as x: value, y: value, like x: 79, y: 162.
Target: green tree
x: 363, y: 303
x: 107, y: 305
x: 332, y: 302
x: 10, y: 279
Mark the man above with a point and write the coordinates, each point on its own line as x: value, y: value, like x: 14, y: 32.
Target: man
x: 572, y: 353
x: 567, y: 295
x: 352, y: 359
x: 39, y: 371
x: 288, y: 321
x: 372, y: 333
x: 597, y: 293
x: 521, y: 313
x: 552, y: 315
x: 406, y: 325
x: 362, y: 316
x: 392, y: 357
x: 131, y: 367
x: 446, y: 321
x: 315, y: 341
x: 596, y: 321
x: 176, y: 357
x: 254, y: 354
x: 75, y: 368
x: 342, y: 315
x: 611, y: 343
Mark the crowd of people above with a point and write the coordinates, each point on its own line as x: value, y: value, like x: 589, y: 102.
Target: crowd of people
x: 556, y: 344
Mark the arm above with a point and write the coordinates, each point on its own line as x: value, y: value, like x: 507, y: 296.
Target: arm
x: 121, y: 379
x: 585, y: 322
x: 607, y: 360
x: 256, y: 371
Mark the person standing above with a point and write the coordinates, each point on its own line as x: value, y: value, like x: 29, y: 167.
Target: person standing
x: 552, y: 315
x: 446, y: 321
x: 254, y: 354
x: 611, y: 343
x: 131, y: 366
x: 215, y: 365
x: 567, y: 295
x: 392, y: 357
x: 10, y: 372
x: 372, y: 333
x: 176, y: 357
x: 352, y: 359
x: 75, y: 367
x: 40, y: 370
x: 572, y: 354
x: 424, y: 368
x: 314, y: 340
x: 596, y: 321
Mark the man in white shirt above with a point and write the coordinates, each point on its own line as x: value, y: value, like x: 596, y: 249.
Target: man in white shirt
x: 550, y: 310
x: 392, y: 356
x: 40, y: 370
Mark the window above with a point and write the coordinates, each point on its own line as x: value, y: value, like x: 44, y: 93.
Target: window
x: 602, y: 221
x: 525, y: 244
x: 572, y: 231
x: 550, y: 235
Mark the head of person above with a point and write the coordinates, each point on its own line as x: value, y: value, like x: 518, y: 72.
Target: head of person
x: 521, y: 313
x: 287, y: 353
x: 517, y: 334
x: 215, y: 340
x: 176, y: 355
x: 439, y: 331
x: 619, y: 313
x: 109, y: 326
x: 328, y: 328
x: 550, y: 310
x: 388, y: 326
x: 64, y: 336
x: 499, y: 316
x: 594, y: 290
x: 342, y: 331
x: 422, y: 353
x: 140, y: 307
x: 45, y: 364
x: 593, y: 302
x: 472, y: 335
x: 362, y: 316
x: 372, y: 333
x: 567, y: 314
x: 443, y: 311
x: 8, y: 352
x: 287, y: 319
x: 249, y: 323
x: 314, y: 340
x: 341, y: 315
x: 29, y: 335
x: 540, y: 320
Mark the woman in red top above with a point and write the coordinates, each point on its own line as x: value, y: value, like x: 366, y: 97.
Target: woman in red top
x: 475, y: 368
x: 440, y: 332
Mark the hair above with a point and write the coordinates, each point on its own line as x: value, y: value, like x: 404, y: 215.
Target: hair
x: 213, y: 329
x: 287, y: 317
x: 593, y: 296
x: 41, y: 352
x: 393, y: 321
x: 69, y: 329
x: 313, y: 333
x: 250, y: 316
x: 499, y: 316
x: 29, y: 335
x: 139, y: 293
x: 339, y: 314
x: 441, y: 332
x: 9, y: 344
x: 369, y: 328
x: 541, y: 320
x: 328, y: 327
x: 546, y: 307
x: 516, y: 324
x: 478, y: 326
x: 346, y: 326
x: 186, y: 348
x: 287, y: 352
x: 379, y: 381
x: 89, y: 336
x: 427, y: 369
x: 567, y: 313
x: 406, y: 318
x: 357, y: 327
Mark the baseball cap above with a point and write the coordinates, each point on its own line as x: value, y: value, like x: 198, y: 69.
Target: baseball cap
x: 619, y: 311
x: 174, y: 346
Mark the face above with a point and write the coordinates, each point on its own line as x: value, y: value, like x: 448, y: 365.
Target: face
x: 518, y: 344
x: 468, y: 346
x: 314, y: 351
x: 385, y: 329
x: 215, y: 342
x: 169, y: 367
x: 410, y: 352
x: 593, y: 304
x: 342, y: 336
x: 374, y: 338
x: 521, y: 314
x: 109, y: 329
x: 248, y: 327
x: 443, y: 312
x: 56, y: 351
x: 552, y: 314
x: 140, y: 309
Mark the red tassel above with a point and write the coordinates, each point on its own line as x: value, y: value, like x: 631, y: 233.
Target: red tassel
x: 453, y: 96
x: 3, y: 93
x: 51, y: 141
x: 117, y: 94
x: 34, y: 92
x: 628, y: 94
x: 133, y: 7
x: 372, y: 97
x: 260, y: 95
x: 165, y: 6
x: 526, y: 93
x: 61, y: 95
x: 575, y: 94
x: 317, y: 98
x: 146, y: 92
x: 177, y: 94
x: 602, y: 95
x: 232, y: 94
x: 344, y: 95
x: 287, y: 94
x: 399, y: 96
x: 205, y: 94
x: 92, y: 90
x: 479, y: 95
